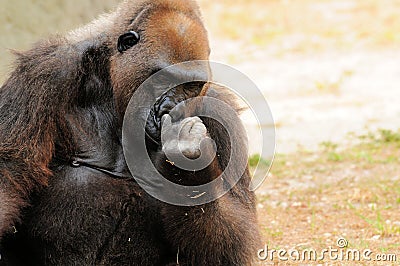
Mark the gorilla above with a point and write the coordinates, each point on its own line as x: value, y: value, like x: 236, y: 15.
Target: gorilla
x: 67, y: 196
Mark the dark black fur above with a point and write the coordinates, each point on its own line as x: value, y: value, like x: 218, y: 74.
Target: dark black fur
x: 61, y: 104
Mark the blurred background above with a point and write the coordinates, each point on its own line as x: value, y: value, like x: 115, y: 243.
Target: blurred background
x: 330, y: 71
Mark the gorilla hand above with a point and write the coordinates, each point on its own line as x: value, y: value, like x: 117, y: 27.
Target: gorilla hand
x: 187, y: 144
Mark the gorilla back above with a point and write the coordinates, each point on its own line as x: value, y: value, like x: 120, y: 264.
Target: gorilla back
x: 67, y: 196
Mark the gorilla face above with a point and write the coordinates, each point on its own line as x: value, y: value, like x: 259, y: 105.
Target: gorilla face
x: 162, y: 33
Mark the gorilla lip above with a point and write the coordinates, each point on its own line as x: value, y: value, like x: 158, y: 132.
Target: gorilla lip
x: 167, y: 102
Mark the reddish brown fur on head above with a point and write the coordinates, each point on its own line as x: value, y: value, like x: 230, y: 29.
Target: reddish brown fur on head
x: 170, y: 32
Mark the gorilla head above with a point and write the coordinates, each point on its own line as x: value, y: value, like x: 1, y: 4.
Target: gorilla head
x: 144, y: 37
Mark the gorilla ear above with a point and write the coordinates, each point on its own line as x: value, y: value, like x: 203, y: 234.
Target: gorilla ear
x: 127, y: 40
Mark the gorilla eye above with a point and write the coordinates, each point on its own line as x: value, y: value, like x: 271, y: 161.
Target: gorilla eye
x: 127, y: 40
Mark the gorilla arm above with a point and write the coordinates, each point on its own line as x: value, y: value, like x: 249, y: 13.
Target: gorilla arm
x: 46, y: 81
x: 223, y: 232
x: 27, y: 115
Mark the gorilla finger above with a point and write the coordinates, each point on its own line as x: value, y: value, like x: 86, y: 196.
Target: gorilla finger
x: 166, y: 123
x: 166, y: 119
x: 198, y: 128
x: 187, y: 124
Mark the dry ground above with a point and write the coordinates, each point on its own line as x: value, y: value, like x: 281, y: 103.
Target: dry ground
x: 311, y: 199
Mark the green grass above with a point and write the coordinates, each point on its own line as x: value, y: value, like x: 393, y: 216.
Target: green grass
x: 333, y: 86
x: 377, y: 147
x: 256, y: 159
x: 376, y: 221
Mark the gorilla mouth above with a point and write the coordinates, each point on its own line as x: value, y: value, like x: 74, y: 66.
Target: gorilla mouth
x: 168, y: 101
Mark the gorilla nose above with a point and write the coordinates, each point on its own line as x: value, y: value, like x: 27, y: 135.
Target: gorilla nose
x: 184, y: 73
